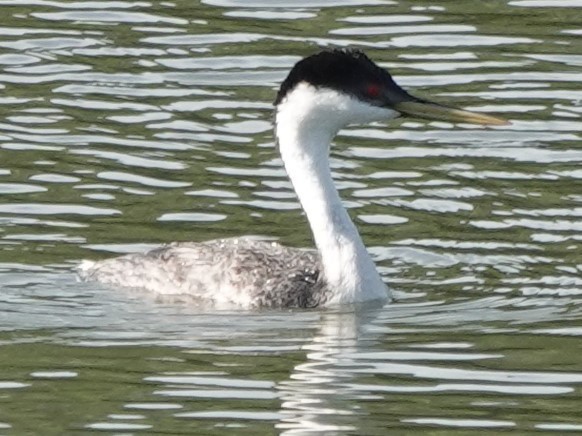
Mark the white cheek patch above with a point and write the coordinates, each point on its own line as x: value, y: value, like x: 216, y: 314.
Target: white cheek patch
x: 329, y: 109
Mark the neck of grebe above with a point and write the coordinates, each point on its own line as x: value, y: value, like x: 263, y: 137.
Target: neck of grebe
x: 304, y: 141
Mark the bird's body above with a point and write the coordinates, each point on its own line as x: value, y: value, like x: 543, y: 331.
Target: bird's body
x: 322, y: 94
x: 239, y: 272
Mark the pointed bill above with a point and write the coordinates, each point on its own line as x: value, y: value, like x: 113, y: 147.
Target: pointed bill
x: 434, y: 111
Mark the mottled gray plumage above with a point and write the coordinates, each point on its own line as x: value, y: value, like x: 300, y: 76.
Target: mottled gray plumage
x: 242, y: 272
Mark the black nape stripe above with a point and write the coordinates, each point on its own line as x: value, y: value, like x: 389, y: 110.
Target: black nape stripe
x: 345, y: 70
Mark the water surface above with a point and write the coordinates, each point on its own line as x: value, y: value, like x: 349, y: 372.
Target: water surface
x: 127, y: 124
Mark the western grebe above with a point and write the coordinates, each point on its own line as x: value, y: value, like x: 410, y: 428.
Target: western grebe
x: 322, y: 94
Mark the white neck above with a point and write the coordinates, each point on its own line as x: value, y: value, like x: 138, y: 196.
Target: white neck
x: 304, y: 133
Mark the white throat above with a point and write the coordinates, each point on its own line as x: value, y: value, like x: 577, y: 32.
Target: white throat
x: 306, y: 122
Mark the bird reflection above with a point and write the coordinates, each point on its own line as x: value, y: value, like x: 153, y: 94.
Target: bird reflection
x: 316, y: 398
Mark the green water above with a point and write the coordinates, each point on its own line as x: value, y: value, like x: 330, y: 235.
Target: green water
x: 124, y: 125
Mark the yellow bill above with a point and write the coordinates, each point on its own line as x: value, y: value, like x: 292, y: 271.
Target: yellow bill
x: 434, y: 111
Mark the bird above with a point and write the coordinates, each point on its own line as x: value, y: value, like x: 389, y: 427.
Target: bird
x: 323, y: 93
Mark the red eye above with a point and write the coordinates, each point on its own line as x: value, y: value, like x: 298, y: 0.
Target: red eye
x: 373, y: 90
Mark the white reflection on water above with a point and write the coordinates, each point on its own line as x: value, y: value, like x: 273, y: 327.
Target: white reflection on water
x: 312, y: 396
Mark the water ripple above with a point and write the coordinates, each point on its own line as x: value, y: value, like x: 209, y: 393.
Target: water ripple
x: 127, y: 124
